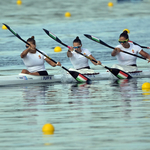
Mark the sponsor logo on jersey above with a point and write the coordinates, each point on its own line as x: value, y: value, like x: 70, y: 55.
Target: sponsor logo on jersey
x: 132, y: 50
x: 40, y: 56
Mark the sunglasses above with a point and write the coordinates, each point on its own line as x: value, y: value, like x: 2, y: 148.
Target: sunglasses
x: 123, y: 41
x: 76, y: 47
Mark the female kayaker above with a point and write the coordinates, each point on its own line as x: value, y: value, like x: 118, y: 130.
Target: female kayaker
x: 127, y: 62
x: 34, y: 61
x: 78, y: 61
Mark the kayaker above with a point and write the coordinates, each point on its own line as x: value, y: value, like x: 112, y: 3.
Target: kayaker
x: 78, y: 61
x: 127, y: 62
x: 34, y: 61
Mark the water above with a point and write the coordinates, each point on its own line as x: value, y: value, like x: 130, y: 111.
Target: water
x: 103, y: 115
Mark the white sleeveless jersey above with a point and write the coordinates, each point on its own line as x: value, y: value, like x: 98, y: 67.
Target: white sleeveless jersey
x: 126, y: 59
x: 34, y: 62
x: 78, y: 61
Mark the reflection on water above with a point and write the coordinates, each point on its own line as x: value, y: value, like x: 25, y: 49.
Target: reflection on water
x: 90, y: 112
x: 128, y: 95
x: 127, y: 88
x: 32, y: 94
x: 80, y: 89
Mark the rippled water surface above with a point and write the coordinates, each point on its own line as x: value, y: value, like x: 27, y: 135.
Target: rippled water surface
x: 107, y: 114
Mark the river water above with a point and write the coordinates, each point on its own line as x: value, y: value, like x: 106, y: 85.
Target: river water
x: 103, y: 115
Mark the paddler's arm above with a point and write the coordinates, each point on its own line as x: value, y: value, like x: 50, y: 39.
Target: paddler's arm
x: 52, y: 63
x: 69, y: 54
x: 115, y: 51
x: 145, y: 55
x: 25, y: 52
x: 98, y: 62
x: 31, y: 48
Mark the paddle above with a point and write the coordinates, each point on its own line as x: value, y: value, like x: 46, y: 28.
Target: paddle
x: 54, y: 37
x: 103, y: 43
x: 78, y: 76
x: 139, y: 45
x: 118, y: 73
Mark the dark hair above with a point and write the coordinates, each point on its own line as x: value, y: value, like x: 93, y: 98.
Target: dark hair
x: 124, y: 34
x: 77, y: 40
x: 31, y: 40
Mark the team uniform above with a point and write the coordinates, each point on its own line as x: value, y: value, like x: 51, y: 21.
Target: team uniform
x: 35, y: 63
x: 125, y: 60
x: 79, y: 61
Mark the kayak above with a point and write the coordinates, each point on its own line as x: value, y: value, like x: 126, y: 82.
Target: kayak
x: 67, y: 78
x: 27, y: 79
x: 109, y: 76
x: 105, y: 75
x: 32, y: 79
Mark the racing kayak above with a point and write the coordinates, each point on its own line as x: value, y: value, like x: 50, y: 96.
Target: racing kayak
x: 109, y: 76
x: 28, y: 79
x: 60, y: 78
x: 33, y: 79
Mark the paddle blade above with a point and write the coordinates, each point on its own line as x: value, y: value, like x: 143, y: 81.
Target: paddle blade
x: 92, y: 38
x: 79, y: 77
x: 119, y: 73
x: 53, y: 36
x: 97, y: 40
x: 11, y: 30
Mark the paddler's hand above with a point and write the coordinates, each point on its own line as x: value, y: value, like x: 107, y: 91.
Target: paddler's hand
x: 117, y: 49
x: 58, y: 64
x: 31, y: 48
x: 98, y: 63
x: 148, y: 57
x: 148, y: 60
x: 69, y: 54
x: 70, y: 49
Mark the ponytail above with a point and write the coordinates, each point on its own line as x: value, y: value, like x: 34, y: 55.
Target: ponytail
x: 77, y: 40
x: 124, y: 34
x: 31, y: 40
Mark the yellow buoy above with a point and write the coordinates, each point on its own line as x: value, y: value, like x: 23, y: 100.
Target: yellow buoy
x: 127, y: 30
x: 146, y: 92
x: 48, y: 129
x: 67, y: 14
x: 4, y: 27
x: 19, y: 2
x: 110, y: 4
x: 57, y: 49
x: 145, y: 85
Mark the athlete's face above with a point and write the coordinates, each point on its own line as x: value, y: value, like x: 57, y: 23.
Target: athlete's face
x: 77, y: 46
x: 124, y: 42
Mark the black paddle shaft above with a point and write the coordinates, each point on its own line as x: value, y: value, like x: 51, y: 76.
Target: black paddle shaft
x: 112, y: 70
x: 17, y: 35
x: 74, y: 74
x: 103, y: 43
x: 140, y: 45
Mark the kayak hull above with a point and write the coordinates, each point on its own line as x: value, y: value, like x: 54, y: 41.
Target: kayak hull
x: 61, y: 78
x: 28, y: 79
